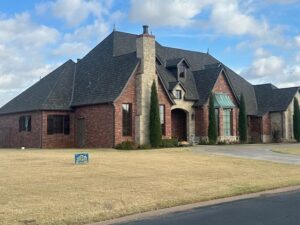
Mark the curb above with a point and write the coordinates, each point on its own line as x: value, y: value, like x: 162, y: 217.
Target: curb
x: 180, y: 208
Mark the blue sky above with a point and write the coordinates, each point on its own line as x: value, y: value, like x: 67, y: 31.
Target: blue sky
x: 258, y: 39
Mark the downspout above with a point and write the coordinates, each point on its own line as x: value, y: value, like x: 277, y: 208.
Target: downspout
x: 114, y: 124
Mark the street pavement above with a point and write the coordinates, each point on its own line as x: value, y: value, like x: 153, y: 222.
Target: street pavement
x: 274, y: 209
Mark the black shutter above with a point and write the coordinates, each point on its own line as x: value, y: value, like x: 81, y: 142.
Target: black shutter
x: 67, y: 124
x: 29, y: 123
x: 20, y: 124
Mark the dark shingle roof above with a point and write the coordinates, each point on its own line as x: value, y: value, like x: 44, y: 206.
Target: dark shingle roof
x: 205, y: 80
x: 272, y: 99
x: 103, y: 73
x: 53, y: 92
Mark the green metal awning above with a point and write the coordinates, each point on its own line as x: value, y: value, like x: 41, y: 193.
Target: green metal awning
x: 222, y: 100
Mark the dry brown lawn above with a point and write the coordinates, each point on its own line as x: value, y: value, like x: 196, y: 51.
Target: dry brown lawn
x: 45, y: 187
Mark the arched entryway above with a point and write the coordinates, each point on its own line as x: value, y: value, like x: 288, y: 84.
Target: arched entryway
x: 179, y: 124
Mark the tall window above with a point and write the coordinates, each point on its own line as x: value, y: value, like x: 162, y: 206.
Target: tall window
x: 162, y: 119
x: 217, y: 121
x: 58, y: 124
x: 25, y: 123
x: 178, y: 94
x: 227, y: 122
x: 126, y: 119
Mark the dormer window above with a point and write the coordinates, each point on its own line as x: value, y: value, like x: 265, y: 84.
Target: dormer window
x: 178, y: 94
x: 182, y: 70
x: 182, y: 73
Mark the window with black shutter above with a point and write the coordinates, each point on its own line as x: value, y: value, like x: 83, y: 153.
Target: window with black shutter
x: 25, y: 123
x: 58, y: 124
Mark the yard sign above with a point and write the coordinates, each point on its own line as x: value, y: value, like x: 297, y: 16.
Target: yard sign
x: 81, y: 158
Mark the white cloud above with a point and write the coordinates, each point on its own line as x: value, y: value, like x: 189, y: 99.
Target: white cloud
x: 174, y: 13
x: 74, y: 12
x: 75, y: 49
x: 297, y: 40
x: 22, y: 52
x: 267, y: 68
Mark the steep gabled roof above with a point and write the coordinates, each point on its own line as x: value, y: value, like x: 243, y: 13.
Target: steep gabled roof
x: 272, y: 99
x: 53, y: 92
x: 103, y: 73
x: 205, y: 80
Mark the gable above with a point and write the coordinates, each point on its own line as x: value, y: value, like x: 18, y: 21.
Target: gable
x: 222, y: 86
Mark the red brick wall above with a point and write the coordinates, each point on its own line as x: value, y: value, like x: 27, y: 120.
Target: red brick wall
x: 99, y: 120
x: 266, y: 124
x: 222, y: 86
x: 58, y: 140
x: 10, y: 137
x: 201, y: 121
x: 255, y: 128
x: 127, y: 96
x: 201, y: 113
x: 164, y: 100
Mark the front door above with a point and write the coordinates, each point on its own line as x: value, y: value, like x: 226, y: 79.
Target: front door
x: 179, y: 124
x: 80, y: 133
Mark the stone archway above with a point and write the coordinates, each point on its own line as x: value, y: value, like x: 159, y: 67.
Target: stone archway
x: 179, y: 124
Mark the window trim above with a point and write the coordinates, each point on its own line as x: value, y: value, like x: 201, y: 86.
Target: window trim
x: 58, y: 124
x: 229, y: 123
x: 128, y: 131
x: 22, y: 123
x: 178, y: 92
x: 163, y: 125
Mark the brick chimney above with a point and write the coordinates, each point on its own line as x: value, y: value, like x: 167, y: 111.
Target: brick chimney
x: 145, y: 51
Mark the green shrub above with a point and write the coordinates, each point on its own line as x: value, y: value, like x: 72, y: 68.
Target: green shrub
x: 154, y: 123
x: 169, y: 143
x: 243, y: 121
x: 126, y: 145
x: 203, y: 142
x: 212, y: 126
x: 145, y: 146
x: 222, y: 142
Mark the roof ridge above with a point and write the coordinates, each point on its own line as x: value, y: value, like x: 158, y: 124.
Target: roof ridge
x: 73, y: 84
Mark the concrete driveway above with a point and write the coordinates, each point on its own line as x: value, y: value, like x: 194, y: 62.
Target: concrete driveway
x: 252, y: 151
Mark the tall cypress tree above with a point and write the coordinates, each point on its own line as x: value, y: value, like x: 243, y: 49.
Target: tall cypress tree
x: 212, y: 128
x: 296, y: 120
x: 242, y: 120
x: 154, y: 123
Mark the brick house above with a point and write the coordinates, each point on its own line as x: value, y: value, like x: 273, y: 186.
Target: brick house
x: 103, y: 99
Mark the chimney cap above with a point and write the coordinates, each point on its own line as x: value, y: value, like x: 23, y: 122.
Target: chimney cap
x: 145, y: 29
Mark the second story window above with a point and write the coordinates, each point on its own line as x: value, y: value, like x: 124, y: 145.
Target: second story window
x: 25, y: 123
x: 178, y: 94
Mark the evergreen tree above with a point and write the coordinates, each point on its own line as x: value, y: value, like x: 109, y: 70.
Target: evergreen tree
x: 296, y: 120
x: 212, y: 127
x: 154, y: 123
x: 242, y: 121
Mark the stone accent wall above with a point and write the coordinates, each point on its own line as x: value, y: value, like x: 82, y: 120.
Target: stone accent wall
x: 10, y: 137
x: 99, y: 125
x: 146, y: 53
x: 187, y: 106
